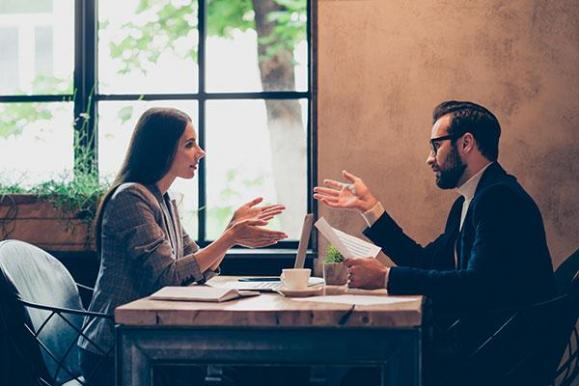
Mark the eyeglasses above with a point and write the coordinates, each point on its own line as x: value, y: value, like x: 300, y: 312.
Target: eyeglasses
x: 435, y: 142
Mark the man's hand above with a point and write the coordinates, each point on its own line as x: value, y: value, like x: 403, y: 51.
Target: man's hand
x: 250, y: 210
x: 352, y: 195
x: 366, y: 273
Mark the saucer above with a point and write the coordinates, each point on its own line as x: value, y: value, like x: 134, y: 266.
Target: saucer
x: 301, y: 293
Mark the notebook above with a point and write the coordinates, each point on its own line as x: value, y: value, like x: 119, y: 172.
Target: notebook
x: 200, y: 294
x: 273, y: 283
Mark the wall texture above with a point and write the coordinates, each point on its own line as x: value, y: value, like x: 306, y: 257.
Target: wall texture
x: 384, y: 64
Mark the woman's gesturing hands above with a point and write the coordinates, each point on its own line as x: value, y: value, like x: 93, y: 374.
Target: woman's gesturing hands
x: 250, y: 210
x: 352, y: 195
x: 247, y: 222
x: 249, y: 233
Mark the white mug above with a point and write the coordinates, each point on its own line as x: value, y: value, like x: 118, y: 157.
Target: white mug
x: 295, y: 278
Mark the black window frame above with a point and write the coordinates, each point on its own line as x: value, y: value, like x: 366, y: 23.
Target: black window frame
x: 86, y: 99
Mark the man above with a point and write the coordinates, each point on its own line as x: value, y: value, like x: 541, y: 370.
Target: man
x: 493, y: 252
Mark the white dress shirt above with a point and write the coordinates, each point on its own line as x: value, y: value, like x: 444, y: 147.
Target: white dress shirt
x: 467, y: 190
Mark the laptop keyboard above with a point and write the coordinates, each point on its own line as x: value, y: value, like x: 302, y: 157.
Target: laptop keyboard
x: 261, y: 285
x: 268, y: 285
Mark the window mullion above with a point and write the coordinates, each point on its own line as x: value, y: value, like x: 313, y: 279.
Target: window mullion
x: 312, y: 124
x: 202, y: 30
x: 84, y: 85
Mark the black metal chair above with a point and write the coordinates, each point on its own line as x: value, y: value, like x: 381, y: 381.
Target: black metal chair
x: 566, y: 271
x: 536, y: 345
x: 41, y: 317
x: 568, y: 371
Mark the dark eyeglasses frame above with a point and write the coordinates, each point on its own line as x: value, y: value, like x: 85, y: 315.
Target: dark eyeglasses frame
x: 435, y: 142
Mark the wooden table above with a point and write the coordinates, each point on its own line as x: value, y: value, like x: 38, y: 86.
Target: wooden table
x: 269, y: 329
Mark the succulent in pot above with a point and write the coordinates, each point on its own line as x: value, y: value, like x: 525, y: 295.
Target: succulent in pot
x: 335, y: 271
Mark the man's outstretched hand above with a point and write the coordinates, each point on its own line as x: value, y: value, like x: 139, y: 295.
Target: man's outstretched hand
x: 351, y: 195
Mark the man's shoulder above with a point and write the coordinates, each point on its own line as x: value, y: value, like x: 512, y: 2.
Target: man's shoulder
x: 504, y: 192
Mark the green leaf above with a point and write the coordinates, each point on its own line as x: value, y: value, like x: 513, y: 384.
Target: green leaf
x: 333, y: 255
x: 125, y: 114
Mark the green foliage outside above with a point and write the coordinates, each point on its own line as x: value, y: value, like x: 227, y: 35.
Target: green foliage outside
x: 333, y: 256
x: 16, y: 116
x: 76, y: 192
x: 145, y: 43
x: 218, y: 217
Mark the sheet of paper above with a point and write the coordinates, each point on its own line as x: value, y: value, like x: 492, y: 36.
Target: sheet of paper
x: 362, y: 300
x: 348, y: 245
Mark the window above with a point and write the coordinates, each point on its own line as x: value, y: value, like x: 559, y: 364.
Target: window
x: 36, y: 67
x: 241, y: 69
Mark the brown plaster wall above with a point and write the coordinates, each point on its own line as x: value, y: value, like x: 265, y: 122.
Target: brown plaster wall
x: 384, y: 64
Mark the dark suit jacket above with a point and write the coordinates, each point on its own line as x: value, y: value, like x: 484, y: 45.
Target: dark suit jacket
x: 503, y: 259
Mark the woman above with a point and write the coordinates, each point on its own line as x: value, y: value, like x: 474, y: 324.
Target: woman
x: 141, y: 244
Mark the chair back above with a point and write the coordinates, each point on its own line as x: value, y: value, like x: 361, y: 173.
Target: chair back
x: 568, y: 369
x: 35, y: 276
x: 528, y: 346
x: 566, y: 271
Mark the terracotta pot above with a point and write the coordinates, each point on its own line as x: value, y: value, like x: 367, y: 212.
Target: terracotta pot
x: 335, y: 273
x: 29, y: 218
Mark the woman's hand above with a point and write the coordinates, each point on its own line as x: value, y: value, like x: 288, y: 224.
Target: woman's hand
x: 249, y: 233
x: 250, y: 210
x: 352, y: 195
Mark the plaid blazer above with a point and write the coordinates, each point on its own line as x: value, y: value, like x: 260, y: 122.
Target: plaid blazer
x: 143, y: 249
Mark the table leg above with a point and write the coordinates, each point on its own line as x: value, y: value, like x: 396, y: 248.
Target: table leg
x: 132, y: 367
x: 404, y: 367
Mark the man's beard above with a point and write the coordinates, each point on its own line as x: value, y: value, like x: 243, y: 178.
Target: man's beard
x: 454, y: 169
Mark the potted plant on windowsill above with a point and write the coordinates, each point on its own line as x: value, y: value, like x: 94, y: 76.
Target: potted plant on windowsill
x: 54, y: 215
x: 57, y: 214
x: 335, y: 271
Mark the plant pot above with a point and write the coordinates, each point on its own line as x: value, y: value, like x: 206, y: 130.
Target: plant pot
x: 335, y: 273
x: 30, y: 218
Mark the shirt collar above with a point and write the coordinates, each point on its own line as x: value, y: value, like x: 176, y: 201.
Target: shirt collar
x: 468, y: 189
x: 153, y: 188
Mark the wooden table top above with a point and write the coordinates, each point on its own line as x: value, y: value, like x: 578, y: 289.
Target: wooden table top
x: 270, y: 310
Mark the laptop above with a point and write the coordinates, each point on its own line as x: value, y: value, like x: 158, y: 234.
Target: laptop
x: 270, y: 284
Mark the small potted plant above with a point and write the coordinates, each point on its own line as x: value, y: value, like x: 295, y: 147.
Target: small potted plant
x: 335, y: 271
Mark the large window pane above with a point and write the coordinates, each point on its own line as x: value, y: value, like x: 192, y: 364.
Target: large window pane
x: 9, y: 73
x: 19, y: 6
x: 37, y: 40
x: 36, y: 142
x: 249, y: 155
x: 270, y: 55
x: 116, y: 123
x: 147, y: 46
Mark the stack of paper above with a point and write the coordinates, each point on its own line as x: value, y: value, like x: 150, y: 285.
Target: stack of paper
x: 358, y: 300
x: 349, y: 246
x: 200, y: 294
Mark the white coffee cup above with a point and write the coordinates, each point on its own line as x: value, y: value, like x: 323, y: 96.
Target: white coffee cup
x: 295, y: 278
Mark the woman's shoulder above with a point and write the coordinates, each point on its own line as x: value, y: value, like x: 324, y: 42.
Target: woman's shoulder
x: 129, y: 192
x: 129, y: 205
